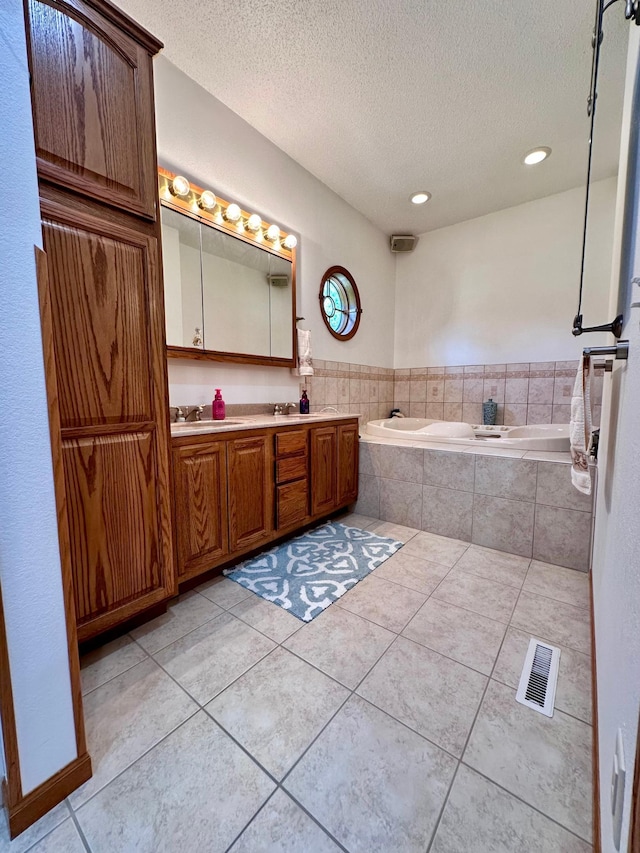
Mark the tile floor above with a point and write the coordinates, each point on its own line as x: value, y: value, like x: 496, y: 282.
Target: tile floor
x: 387, y: 724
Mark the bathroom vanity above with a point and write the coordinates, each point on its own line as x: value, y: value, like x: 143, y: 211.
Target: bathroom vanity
x: 239, y: 485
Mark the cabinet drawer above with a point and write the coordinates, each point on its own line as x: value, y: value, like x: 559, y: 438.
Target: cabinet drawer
x: 291, y: 468
x: 291, y: 503
x: 288, y: 443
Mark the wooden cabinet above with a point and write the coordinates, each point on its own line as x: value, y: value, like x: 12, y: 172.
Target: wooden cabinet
x: 292, y: 489
x: 92, y: 99
x: 267, y: 478
x: 347, y: 470
x: 250, y: 492
x: 91, y: 72
x: 324, y: 459
x: 200, y: 488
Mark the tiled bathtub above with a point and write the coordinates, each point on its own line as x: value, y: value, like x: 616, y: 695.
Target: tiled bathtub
x: 522, y: 503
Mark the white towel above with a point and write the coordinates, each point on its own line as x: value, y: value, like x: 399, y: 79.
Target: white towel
x: 581, y: 427
x: 305, y: 362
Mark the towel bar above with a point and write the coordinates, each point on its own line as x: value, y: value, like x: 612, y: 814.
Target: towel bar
x: 620, y: 351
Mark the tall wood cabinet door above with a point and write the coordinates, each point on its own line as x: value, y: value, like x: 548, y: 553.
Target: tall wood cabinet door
x: 200, y: 488
x: 250, y: 477
x: 323, y: 469
x: 106, y: 307
x: 347, y: 463
x: 92, y: 99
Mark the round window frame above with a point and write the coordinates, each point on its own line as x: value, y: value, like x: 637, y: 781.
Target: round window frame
x: 330, y: 273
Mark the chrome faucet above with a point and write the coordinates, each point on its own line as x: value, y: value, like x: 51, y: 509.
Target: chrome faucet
x: 180, y: 418
x: 288, y: 406
x: 277, y: 409
x: 194, y: 414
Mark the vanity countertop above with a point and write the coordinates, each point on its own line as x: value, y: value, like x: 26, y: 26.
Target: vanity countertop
x: 232, y: 424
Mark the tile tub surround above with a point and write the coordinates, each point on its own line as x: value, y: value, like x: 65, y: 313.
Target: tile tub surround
x: 327, y: 742
x: 514, y: 501
x: 526, y: 393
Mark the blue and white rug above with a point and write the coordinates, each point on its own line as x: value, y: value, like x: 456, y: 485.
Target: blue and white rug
x: 306, y: 574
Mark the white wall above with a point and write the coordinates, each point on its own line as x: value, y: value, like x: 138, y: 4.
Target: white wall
x: 616, y: 561
x: 29, y: 554
x: 201, y: 138
x: 504, y: 287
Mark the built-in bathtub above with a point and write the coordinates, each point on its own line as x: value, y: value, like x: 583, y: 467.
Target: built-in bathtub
x: 545, y: 437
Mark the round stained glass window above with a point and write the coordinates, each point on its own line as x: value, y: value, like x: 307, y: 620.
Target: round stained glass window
x: 340, y: 303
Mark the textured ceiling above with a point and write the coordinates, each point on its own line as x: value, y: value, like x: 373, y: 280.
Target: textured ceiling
x: 379, y: 98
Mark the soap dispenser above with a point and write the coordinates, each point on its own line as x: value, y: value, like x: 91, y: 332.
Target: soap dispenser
x: 218, y: 407
x: 304, y: 403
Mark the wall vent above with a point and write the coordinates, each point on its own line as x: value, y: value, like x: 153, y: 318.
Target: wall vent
x: 402, y: 242
x: 537, y: 688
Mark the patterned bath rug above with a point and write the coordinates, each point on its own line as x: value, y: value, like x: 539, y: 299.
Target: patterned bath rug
x: 306, y: 574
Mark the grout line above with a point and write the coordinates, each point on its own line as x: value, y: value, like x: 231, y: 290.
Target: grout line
x: 109, y: 680
x: 83, y: 837
x: 524, y: 802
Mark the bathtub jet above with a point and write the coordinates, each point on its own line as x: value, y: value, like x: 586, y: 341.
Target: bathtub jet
x: 553, y: 437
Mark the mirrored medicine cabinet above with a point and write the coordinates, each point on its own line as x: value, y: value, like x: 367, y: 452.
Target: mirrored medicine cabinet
x: 229, y: 285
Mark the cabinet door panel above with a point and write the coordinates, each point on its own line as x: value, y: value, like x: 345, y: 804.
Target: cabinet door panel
x: 92, y: 105
x: 250, y: 492
x: 100, y: 303
x: 323, y: 469
x: 113, y: 520
x: 201, y: 507
x: 347, y: 463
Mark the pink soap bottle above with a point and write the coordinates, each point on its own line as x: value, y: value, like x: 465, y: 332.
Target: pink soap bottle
x: 217, y: 406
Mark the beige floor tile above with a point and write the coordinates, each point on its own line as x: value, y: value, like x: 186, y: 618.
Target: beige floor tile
x: 187, y: 612
x: 568, y: 585
x: 223, y: 592
x: 373, y: 783
x: 467, y: 637
x: 431, y: 694
x: 277, y: 708
x: 194, y: 791
x: 482, y: 818
x: 125, y: 717
x: 509, y: 569
x: 343, y: 645
x: 436, y: 549
x: 412, y: 572
x: 385, y: 603
x: 554, y: 621
x: 544, y: 761
x: 282, y: 827
x: 34, y: 833
x: 488, y: 598
x: 573, y: 695
x: 267, y: 617
x: 394, y: 531
x: 64, y: 839
x: 208, y: 659
x: 104, y: 663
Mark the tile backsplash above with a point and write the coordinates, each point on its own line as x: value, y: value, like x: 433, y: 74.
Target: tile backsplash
x: 526, y: 393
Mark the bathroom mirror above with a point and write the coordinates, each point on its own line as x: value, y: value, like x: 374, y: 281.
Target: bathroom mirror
x: 229, y: 293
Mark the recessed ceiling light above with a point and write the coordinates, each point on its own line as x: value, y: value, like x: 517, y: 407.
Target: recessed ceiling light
x: 536, y: 155
x: 421, y: 197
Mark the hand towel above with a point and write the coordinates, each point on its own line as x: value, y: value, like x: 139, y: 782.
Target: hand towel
x: 305, y: 362
x: 581, y: 427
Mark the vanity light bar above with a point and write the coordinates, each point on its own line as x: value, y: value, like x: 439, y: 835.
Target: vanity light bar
x: 229, y: 215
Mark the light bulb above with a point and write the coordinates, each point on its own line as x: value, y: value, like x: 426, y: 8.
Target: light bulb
x: 420, y: 197
x: 537, y: 155
x: 207, y: 200
x: 254, y: 222
x: 232, y: 213
x: 273, y: 232
x: 290, y: 241
x: 180, y: 186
